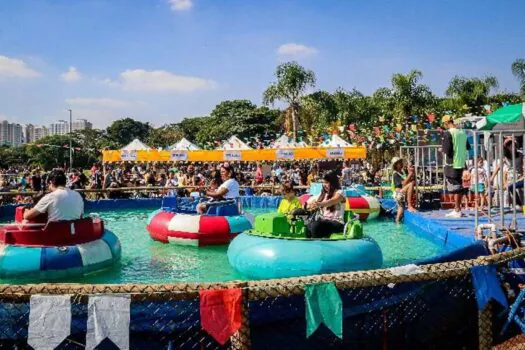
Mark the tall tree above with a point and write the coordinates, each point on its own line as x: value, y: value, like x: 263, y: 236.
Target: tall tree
x: 471, y: 92
x: 191, y: 126
x: 318, y: 111
x: 518, y: 69
x: 409, y: 96
x: 123, y: 131
x: 165, y: 136
x: 53, y: 151
x: 292, y: 82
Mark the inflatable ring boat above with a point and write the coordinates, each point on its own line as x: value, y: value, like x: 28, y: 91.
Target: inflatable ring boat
x: 274, y: 250
x: 56, y: 249
x: 367, y: 207
x: 219, y: 225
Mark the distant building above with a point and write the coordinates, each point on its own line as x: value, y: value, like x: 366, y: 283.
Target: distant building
x: 34, y: 133
x: 82, y: 124
x: 11, y: 133
x: 62, y: 127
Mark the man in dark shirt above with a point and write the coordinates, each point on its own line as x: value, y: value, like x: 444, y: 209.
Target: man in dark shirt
x: 36, y: 182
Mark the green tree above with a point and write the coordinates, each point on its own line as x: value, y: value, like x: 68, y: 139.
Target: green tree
x: 53, y: 151
x: 91, y: 141
x: 12, y: 156
x: 354, y: 107
x: 292, y: 82
x: 237, y: 117
x: 410, y: 97
x: 165, y: 136
x: 471, y: 92
x: 318, y: 111
x: 191, y: 126
x: 123, y: 131
x: 499, y: 99
x: 518, y: 69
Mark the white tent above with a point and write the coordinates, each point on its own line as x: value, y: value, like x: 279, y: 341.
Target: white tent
x: 184, y: 145
x: 286, y: 142
x: 336, y: 141
x: 234, y: 143
x: 135, y: 145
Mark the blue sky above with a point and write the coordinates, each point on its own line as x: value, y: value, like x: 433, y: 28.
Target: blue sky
x: 162, y: 60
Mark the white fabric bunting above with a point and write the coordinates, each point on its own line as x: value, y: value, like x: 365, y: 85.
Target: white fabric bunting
x: 49, y: 321
x: 108, y: 317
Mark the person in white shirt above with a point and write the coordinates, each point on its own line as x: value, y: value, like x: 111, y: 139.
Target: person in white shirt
x: 229, y: 189
x: 61, y: 204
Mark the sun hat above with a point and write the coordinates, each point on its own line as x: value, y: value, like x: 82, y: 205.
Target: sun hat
x: 395, y: 160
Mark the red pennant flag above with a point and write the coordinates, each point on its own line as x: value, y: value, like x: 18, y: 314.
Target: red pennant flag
x: 431, y: 117
x: 220, y: 311
x: 351, y: 127
x: 377, y: 130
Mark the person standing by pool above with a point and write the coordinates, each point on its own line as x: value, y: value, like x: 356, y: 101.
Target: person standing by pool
x: 454, y: 146
x: 402, y: 187
x: 229, y: 189
x: 331, y: 203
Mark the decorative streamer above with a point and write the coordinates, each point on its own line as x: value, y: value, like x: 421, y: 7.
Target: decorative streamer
x: 323, y: 305
x: 220, y: 311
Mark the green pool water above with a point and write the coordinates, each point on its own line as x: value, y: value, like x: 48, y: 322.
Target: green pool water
x: 148, y: 261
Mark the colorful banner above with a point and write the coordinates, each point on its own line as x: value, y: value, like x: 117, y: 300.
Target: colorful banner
x: 247, y: 155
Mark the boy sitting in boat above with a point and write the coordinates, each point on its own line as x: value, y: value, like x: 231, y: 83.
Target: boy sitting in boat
x: 290, y: 202
x: 59, y: 205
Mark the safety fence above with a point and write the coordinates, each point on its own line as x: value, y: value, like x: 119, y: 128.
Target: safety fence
x: 438, y: 306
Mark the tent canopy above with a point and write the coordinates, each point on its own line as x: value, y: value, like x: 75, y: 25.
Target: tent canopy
x: 506, y: 118
x: 184, y: 145
x: 135, y: 145
x: 234, y: 143
x: 286, y: 142
x: 335, y: 141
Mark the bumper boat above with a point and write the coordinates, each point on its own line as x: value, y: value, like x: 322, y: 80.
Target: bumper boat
x: 179, y: 223
x: 277, y: 248
x: 56, y: 249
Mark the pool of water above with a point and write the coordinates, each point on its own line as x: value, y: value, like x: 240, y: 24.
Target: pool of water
x: 148, y: 261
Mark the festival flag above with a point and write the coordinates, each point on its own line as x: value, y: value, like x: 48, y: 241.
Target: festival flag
x: 323, y: 305
x: 352, y: 127
x: 431, y: 117
x: 220, y: 311
x: 377, y: 130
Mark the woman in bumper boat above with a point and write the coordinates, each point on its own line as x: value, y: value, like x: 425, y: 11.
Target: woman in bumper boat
x: 229, y: 189
x: 331, y: 203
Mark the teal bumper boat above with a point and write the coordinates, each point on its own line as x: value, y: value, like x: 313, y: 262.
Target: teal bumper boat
x: 277, y: 248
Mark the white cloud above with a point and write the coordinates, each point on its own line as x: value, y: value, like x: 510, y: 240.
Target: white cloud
x: 97, y: 102
x: 15, y: 68
x: 160, y: 81
x: 71, y: 75
x: 180, y: 5
x: 294, y: 49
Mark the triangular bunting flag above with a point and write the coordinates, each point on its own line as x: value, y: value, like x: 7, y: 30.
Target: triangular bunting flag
x: 108, y: 317
x: 49, y: 320
x: 487, y: 286
x: 220, y: 311
x: 323, y: 305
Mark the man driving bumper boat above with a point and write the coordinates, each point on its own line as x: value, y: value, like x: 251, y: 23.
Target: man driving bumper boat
x: 229, y: 189
x: 61, y: 204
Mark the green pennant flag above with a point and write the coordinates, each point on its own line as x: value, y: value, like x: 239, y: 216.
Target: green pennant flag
x: 323, y: 305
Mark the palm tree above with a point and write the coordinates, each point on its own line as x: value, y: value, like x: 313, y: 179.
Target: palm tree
x: 518, y: 69
x: 409, y: 96
x: 292, y: 82
x: 471, y: 92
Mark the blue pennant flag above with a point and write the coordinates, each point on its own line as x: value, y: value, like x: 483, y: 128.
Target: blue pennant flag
x: 487, y: 286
